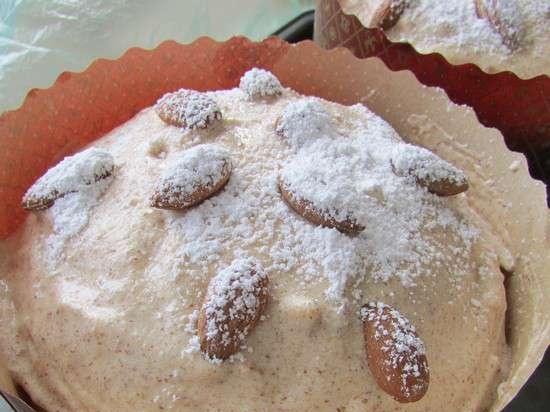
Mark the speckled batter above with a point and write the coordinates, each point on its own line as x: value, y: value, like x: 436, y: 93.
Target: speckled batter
x: 106, y: 321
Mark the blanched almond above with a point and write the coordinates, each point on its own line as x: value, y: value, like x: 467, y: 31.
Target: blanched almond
x: 308, y: 211
x: 395, y: 354
x: 192, y: 177
x: 234, y: 302
x: 429, y: 170
x: 387, y: 14
x: 188, y: 108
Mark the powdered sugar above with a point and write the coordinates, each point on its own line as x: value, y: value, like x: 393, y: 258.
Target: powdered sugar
x: 238, y: 285
x: 260, y: 83
x: 191, y: 326
x: 74, y: 186
x: 193, y: 346
x: 346, y: 171
x: 303, y: 121
x: 456, y: 24
x: 505, y: 18
x: 70, y: 215
x: 513, y: 39
x: 146, y: 270
x: 454, y: 29
x: 336, y: 194
x: 352, y: 177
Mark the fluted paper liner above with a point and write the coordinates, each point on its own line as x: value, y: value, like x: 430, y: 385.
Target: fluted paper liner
x: 81, y: 107
x: 519, y: 108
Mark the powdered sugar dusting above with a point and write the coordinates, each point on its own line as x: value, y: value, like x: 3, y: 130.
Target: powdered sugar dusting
x: 141, y: 273
x: 70, y: 215
x: 345, y: 169
x: 260, y: 83
x: 347, y: 172
x: 337, y: 195
x: 515, y: 38
x: 75, y: 186
x: 403, y: 334
x: 304, y: 121
x: 507, y: 20
x: 460, y: 23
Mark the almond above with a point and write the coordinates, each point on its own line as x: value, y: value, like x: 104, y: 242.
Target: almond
x: 235, y: 300
x: 444, y: 187
x: 428, y: 169
x: 308, y: 211
x: 192, y: 176
x: 188, y: 108
x: 260, y: 83
x: 505, y: 18
x: 395, y: 354
x: 387, y: 14
x: 72, y: 174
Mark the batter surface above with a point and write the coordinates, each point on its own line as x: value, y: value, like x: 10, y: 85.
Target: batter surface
x: 99, y: 296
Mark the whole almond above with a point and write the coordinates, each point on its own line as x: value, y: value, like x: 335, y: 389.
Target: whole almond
x: 387, y: 14
x: 188, y: 108
x: 395, y: 354
x: 73, y: 174
x: 308, y: 211
x: 444, y: 187
x: 259, y: 83
x: 504, y: 17
x: 234, y: 302
x: 429, y: 170
x: 192, y: 176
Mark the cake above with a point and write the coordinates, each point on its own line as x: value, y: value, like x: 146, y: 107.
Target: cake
x: 254, y: 249
x: 496, y: 35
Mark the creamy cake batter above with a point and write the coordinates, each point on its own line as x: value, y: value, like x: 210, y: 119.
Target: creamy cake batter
x: 99, y: 295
